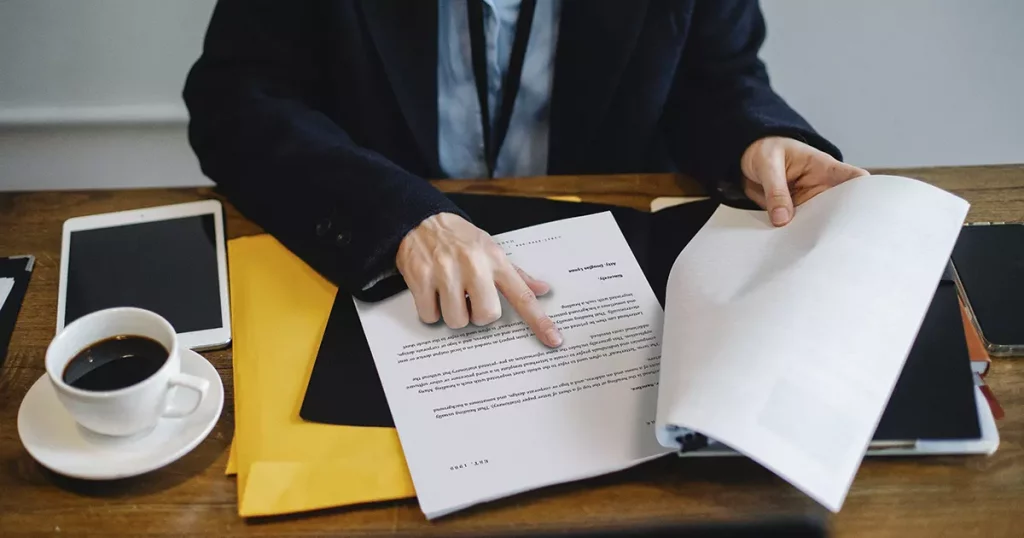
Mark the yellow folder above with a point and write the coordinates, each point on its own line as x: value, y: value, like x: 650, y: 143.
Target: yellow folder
x: 279, y: 309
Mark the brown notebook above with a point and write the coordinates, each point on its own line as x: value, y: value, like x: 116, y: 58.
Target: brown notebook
x: 980, y: 360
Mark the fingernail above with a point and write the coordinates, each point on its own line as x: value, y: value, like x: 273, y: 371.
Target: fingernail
x: 779, y: 216
x: 553, y: 337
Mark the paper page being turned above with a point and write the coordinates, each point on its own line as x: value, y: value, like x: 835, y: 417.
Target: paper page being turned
x: 785, y: 343
x: 487, y: 412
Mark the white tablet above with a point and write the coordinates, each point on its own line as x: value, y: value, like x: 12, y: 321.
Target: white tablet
x: 170, y: 260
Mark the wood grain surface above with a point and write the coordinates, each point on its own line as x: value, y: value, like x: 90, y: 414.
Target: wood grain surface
x: 938, y: 496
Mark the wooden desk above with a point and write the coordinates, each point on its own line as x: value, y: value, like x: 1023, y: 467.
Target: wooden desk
x: 952, y: 496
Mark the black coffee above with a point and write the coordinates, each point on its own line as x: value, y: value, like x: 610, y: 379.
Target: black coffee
x: 115, y: 363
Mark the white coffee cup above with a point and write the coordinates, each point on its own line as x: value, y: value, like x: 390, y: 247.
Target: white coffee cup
x: 133, y: 409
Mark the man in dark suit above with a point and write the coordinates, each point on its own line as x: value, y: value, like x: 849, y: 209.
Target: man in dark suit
x: 321, y: 121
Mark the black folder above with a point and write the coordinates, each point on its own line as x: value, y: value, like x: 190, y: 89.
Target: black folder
x: 933, y: 399
x: 19, y: 269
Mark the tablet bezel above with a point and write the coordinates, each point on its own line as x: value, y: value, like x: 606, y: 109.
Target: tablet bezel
x: 196, y: 340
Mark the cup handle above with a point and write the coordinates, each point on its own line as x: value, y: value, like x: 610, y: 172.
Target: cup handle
x: 190, y: 382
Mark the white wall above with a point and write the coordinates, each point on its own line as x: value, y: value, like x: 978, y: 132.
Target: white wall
x: 904, y: 82
x: 90, y: 89
x: 90, y: 92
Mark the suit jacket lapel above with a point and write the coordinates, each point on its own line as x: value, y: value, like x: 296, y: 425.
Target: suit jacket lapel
x: 405, y: 34
x: 595, y: 41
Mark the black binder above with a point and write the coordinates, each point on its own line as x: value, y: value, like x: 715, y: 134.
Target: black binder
x: 19, y: 270
x: 933, y: 399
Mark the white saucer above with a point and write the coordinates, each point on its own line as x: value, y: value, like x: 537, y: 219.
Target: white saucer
x: 53, y: 438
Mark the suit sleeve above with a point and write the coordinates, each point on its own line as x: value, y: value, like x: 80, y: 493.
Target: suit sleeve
x: 259, y: 133
x: 721, y: 100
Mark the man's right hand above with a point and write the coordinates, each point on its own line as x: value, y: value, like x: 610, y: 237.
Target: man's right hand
x: 446, y: 258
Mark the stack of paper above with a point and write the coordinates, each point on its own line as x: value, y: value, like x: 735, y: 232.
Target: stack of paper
x: 783, y: 343
x: 837, y: 297
x: 787, y: 342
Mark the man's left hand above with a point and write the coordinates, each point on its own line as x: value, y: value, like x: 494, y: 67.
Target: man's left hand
x: 781, y: 173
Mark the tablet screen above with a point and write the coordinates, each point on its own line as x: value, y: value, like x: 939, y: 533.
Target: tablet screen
x: 989, y: 260
x: 167, y: 266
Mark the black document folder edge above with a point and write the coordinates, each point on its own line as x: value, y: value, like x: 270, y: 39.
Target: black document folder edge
x: 20, y: 269
x: 933, y: 399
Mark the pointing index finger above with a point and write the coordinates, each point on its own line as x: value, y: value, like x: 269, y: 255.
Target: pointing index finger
x: 524, y: 301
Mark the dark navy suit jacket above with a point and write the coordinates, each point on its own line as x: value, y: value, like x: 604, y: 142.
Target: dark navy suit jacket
x: 318, y: 119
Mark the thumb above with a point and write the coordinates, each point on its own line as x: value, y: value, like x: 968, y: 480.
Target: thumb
x: 841, y: 172
x: 771, y: 174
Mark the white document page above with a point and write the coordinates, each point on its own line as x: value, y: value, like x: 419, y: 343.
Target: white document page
x: 785, y: 343
x: 6, y: 285
x: 487, y: 412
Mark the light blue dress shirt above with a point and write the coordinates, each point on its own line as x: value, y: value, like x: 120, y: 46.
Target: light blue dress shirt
x: 460, y: 133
